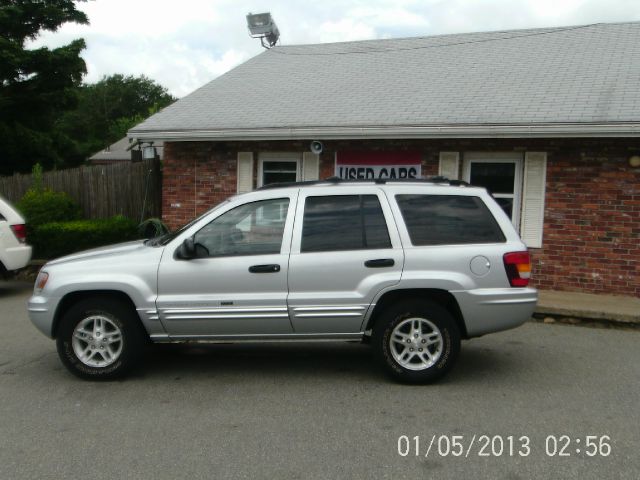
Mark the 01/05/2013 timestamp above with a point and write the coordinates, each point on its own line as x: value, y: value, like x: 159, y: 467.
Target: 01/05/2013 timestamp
x: 503, y: 446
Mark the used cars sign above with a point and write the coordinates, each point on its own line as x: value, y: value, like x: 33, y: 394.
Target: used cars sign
x: 378, y: 165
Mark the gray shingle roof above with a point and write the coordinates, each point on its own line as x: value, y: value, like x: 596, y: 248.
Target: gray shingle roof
x: 581, y: 75
x: 119, y: 151
x: 115, y: 151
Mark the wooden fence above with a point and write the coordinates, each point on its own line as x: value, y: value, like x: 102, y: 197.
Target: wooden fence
x: 101, y: 190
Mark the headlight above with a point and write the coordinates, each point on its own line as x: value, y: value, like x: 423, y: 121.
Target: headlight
x: 41, y: 281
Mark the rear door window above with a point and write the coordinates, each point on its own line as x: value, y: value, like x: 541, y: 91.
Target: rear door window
x: 343, y: 222
x: 448, y: 219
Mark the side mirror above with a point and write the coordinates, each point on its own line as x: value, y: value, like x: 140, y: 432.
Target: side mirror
x: 188, y: 249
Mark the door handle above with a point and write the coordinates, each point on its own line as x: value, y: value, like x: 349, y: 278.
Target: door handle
x: 271, y: 268
x: 379, y: 263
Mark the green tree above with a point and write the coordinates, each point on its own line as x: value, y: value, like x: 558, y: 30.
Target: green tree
x: 35, y: 84
x: 122, y: 125
x: 107, y: 110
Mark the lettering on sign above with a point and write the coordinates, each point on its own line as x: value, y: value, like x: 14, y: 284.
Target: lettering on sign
x: 359, y: 172
x: 378, y: 165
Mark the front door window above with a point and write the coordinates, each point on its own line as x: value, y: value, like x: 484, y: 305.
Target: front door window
x: 251, y: 229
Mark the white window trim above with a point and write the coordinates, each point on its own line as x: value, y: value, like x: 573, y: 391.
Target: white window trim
x: 500, y: 157
x: 533, y: 198
x: 279, y: 157
x: 244, y: 172
x: 310, y: 166
x: 449, y: 165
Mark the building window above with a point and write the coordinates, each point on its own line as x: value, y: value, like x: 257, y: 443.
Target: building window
x: 278, y: 168
x: 501, y: 175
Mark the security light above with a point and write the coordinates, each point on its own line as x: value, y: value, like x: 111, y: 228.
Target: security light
x: 262, y: 26
x: 149, y: 152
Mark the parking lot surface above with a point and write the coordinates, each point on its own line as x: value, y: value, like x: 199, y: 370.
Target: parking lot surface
x: 323, y: 410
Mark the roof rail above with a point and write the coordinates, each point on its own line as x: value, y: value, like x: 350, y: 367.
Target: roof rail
x: 380, y: 181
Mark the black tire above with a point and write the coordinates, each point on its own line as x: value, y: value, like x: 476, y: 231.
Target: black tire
x: 116, y: 314
x: 435, y: 317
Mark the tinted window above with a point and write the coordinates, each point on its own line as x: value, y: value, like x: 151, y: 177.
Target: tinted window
x: 251, y: 229
x: 448, y: 219
x: 376, y: 234
x: 495, y: 177
x: 343, y: 222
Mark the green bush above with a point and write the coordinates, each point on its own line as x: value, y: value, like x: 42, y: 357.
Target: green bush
x: 45, y: 206
x: 152, y: 227
x: 54, y: 239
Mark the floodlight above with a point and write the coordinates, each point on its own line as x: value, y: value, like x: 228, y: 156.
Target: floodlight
x: 149, y: 152
x: 262, y: 26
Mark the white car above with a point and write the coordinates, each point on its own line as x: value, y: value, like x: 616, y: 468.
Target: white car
x: 14, y: 251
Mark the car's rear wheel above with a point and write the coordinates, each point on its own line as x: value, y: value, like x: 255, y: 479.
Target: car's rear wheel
x: 417, y: 341
x: 100, y: 338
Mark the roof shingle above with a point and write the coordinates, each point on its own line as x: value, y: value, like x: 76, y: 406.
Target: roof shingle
x: 584, y: 74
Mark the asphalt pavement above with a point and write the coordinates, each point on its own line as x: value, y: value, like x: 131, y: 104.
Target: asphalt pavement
x: 519, y: 404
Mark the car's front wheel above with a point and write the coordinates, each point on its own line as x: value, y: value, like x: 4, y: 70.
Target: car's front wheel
x: 100, y: 338
x: 417, y: 341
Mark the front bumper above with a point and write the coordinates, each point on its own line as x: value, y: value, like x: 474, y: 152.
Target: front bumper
x: 42, y: 312
x: 488, y: 310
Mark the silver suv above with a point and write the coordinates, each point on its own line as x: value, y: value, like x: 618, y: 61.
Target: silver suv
x: 409, y: 267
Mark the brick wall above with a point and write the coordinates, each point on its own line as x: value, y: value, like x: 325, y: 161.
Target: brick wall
x: 592, y: 223
x: 591, y: 238
x: 195, y: 176
x: 198, y: 175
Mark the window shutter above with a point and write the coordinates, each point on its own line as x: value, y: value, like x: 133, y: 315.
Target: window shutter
x: 245, y: 172
x: 535, y: 177
x: 449, y: 165
x: 310, y: 166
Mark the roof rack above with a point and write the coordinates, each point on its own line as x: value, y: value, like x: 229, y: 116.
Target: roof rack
x: 379, y: 181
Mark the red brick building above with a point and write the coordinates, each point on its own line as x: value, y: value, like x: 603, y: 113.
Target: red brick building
x: 546, y: 119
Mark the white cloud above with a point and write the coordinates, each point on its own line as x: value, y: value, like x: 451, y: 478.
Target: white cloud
x: 182, y: 45
x: 388, y: 16
x: 553, y: 9
x: 344, y: 30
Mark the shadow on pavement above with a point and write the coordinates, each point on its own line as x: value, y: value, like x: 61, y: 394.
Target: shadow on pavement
x: 9, y: 288
x: 245, y: 360
x: 326, y: 360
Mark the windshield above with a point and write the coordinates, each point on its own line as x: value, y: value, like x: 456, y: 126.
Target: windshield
x: 167, y: 237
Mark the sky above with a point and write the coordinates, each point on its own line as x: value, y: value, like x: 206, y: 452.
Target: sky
x: 184, y: 44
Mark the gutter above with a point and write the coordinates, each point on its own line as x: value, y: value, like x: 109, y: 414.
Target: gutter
x: 552, y: 130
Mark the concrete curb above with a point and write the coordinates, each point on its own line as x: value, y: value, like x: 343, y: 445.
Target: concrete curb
x: 617, y: 310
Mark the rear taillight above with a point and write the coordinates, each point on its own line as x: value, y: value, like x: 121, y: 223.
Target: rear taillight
x: 20, y: 231
x: 518, y: 268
